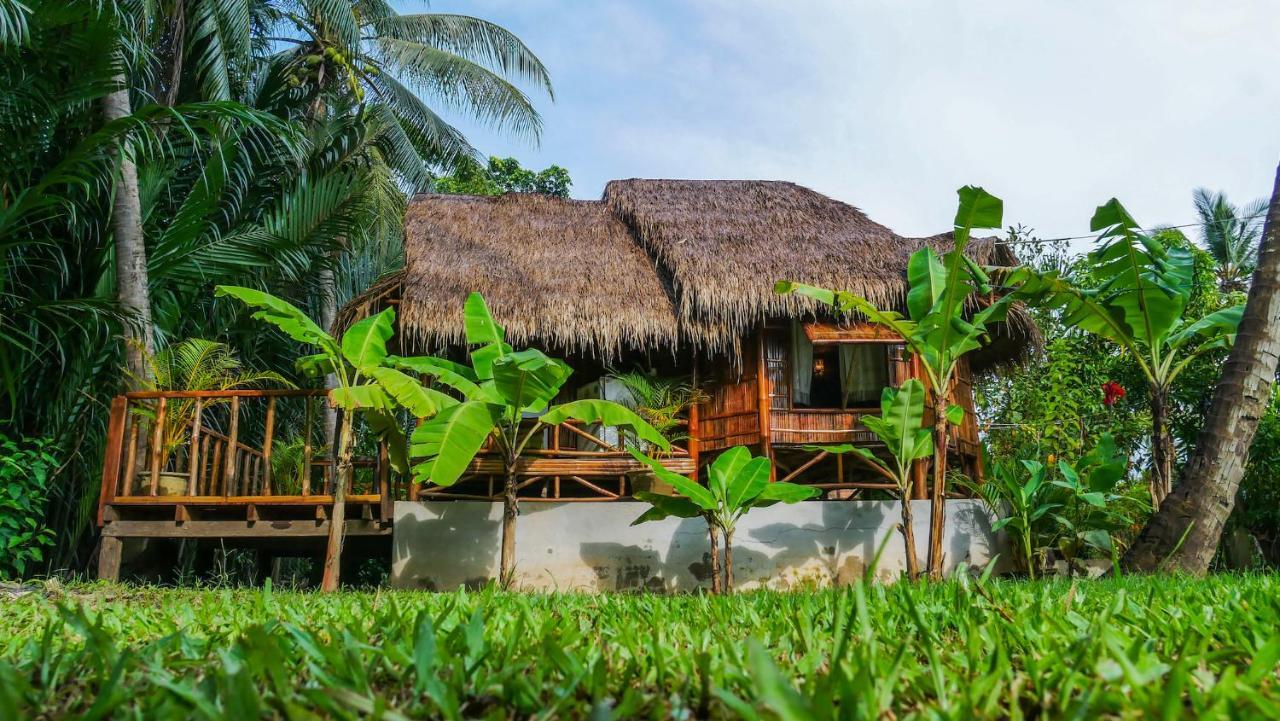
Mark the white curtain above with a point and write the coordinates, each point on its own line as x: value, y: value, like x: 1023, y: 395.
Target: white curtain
x: 801, y: 365
x: 864, y: 371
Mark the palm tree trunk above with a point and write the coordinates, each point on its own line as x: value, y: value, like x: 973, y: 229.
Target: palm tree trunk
x: 909, y: 537
x: 509, y: 513
x: 328, y: 314
x: 715, y: 558
x: 938, y: 494
x: 728, y: 562
x: 1162, y: 450
x: 132, y: 283
x: 1186, y: 530
x: 338, y: 517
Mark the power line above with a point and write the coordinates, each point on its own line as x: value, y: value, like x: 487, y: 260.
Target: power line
x: 1091, y: 236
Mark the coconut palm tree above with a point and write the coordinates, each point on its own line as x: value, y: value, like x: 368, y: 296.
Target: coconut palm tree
x: 1231, y: 235
x: 1186, y: 530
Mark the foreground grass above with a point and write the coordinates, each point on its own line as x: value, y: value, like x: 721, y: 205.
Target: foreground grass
x: 1129, y: 648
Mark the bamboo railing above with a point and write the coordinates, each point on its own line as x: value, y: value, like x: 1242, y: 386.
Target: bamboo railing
x: 218, y: 448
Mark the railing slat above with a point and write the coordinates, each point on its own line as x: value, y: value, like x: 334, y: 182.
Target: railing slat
x: 267, y: 440
x: 193, y: 456
x: 306, y: 447
x: 229, y: 468
x: 115, y: 443
x: 157, y: 444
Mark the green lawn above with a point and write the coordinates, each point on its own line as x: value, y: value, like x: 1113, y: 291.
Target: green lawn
x: 1129, y: 648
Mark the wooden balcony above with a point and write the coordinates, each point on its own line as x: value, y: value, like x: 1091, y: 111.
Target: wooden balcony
x: 186, y: 456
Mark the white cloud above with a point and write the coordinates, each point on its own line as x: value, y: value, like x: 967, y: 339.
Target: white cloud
x: 891, y: 105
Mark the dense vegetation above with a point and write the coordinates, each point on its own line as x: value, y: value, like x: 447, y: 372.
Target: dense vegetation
x: 1123, y: 648
x: 270, y: 144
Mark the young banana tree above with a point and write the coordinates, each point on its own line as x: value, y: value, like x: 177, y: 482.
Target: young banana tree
x: 736, y: 483
x: 947, y: 316
x: 901, y: 428
x: 1139, y: 305
x: 506, y: 398
x: 365, y: 385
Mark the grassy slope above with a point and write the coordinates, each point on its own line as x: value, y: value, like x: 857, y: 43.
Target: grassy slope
x: 1131, y: 648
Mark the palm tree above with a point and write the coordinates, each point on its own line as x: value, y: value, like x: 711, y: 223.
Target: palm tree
x: 352, y: 56
x: 1186, y: 530
x: 1231, y: 235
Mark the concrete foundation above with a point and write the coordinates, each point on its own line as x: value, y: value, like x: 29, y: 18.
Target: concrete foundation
x: 592, y: 546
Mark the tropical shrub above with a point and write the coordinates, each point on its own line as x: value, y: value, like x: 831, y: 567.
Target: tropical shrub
x: 662, y: 402
x: 736, y: 483
x: 900, y: 427
x: 503, y: 175
x: 26, y: 470
x: 937, y: 329
x: 499, y: 390
x: 1060, y: 506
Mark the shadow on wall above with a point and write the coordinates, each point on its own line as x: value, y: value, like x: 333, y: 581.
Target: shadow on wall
x: 585, y: 547
x: 464, y: 543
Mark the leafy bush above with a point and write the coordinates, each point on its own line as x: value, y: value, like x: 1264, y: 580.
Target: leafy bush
x: 26, y: 467
x: 1073, y: 509
x: 1131, y: 648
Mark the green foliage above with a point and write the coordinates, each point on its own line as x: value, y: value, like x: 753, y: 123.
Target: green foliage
x: 27, y: 468
x: 900, y: 427
x: 736, y: 483
x: 662, y: 402
x: 1137, y: 647
x: 503, y: 175
x: 499, y: 388
x: 1138, y: 299
x: 1231, y: 234
x: 1069, y: 508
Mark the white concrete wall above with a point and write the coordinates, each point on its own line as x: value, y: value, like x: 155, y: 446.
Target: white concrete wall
x: 592, y: 546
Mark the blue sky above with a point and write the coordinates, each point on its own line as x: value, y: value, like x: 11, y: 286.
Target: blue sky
x: 890, y: 106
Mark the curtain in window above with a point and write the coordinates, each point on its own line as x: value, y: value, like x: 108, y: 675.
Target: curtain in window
x: 801, y: 364
x: 864, y: 372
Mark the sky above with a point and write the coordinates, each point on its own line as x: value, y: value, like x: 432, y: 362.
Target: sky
x: 890, y: 106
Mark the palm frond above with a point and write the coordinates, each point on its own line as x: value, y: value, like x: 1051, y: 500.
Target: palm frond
x: 462, y: 85
x: 471, y: 38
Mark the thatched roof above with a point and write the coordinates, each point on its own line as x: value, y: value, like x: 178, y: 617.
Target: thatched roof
x: 565, y: 272
x: 653, y: 264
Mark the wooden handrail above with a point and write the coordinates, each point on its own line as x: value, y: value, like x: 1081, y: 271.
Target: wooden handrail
x: 232, y: 393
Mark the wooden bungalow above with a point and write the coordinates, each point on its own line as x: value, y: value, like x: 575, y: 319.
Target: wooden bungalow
x: 674, y: 277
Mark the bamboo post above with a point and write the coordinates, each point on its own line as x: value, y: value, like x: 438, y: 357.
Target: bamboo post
x: 215, y: 467
x: 115, y: 444
x: 193, y: 457
x: 762, y: 399
x: 267, y: 440
x: 233, y: 433
x: 131, y: 465
x: 693, y: 425
x: 920, y: 470
x: 384, y: 480
x: 205, y: 479
x: 306, y: 447
x: 157, y: 444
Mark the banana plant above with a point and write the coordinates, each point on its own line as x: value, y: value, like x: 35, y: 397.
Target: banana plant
x: 900, y: 426
x: 499, y: 390
x: 365, y: 384
x: 1138, y: 305
x: 736, y: 483
x: 950, y: 311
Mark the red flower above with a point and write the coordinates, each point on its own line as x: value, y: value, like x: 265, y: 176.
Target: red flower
x: 1111, y: 392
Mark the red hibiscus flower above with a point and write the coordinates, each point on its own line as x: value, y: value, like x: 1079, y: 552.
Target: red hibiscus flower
x: 1111, y: 392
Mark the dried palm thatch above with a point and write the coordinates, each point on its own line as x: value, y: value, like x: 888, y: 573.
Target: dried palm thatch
x: 564, y: 272
x: 654, y: 264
